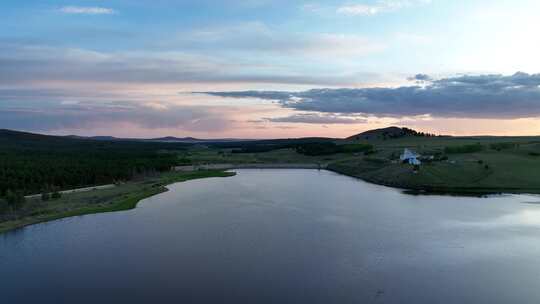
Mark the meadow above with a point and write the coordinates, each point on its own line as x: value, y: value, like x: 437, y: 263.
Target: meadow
x: 459, y: 165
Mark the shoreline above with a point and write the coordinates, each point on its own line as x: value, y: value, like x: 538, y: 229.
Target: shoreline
x: 222, y: 170
x: 227, y: 166
x: 125, y: 203
x: 445, y: 191
x: 406, y: 189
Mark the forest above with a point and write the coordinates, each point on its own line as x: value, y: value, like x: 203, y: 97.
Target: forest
x: 32, y: 163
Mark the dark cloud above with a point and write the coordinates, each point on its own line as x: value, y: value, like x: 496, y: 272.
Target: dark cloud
x: 481, y: 96
x: 315, y: 118
x: 420, y: 78
x: 80, y: 116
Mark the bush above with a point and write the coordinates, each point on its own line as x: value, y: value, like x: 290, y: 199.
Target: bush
x: 327, y: 148
x: 369, y: 152
x: 503, y: 146
x: 260, y: 148
x: 4, y: 206
x: 184, y: 161
x: 439, y: 157
x: 15, y: 199
x: 355, y: 148
x: 315, y: 149
x: 375, y: 160
x: 45, y: 196
x: 56, y: 195
x: 464, y: 149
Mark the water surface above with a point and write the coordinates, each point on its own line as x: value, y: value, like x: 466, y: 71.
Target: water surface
x: 282, y: 236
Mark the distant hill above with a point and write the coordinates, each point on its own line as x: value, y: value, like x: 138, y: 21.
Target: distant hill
x: 193, y: 139
x: 166, y: 139
x: 27, y: 140
x: 94, y: 137
x: 11, y: 137
x: 387, y: 133
x: 172, y: 138
x: 6, y: 134
x: 384, y: 133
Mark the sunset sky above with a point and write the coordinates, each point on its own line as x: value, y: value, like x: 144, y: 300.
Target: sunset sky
x: 266, y: 69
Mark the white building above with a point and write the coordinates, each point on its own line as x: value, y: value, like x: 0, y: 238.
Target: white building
x: 410, y: 157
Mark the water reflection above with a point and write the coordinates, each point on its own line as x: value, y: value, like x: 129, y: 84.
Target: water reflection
x: 283, y: 236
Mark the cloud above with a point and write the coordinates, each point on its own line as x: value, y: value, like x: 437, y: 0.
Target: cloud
x: 315, y: 118
x: 359, y: 9
x: 382, y: 6
x: 236, y: 61
x: 467, y: 96
x: 87, y: 10
x: 91, y: 115
x: 19, y: 63
x: 241, y: 37
x: 420, y: 78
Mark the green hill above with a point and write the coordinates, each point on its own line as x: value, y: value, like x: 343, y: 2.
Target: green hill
x: 388, y: 133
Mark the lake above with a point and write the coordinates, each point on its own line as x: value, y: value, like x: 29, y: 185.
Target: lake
x: 282, y: 236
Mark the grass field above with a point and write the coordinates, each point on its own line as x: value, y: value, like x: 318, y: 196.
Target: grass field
x: 515, y: 170
x: 501, y: 164
x: 122, y: 197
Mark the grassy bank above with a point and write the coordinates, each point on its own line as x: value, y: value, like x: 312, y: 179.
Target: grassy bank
x: 460, y: 165
x: 122, y: 197
x: 476, y: 173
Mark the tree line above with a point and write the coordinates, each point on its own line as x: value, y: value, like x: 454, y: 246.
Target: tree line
x: 31, y: 164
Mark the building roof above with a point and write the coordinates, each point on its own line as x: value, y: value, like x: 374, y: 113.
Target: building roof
x: 408, y: 154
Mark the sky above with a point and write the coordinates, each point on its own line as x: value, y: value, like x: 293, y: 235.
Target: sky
x: 269, y: 69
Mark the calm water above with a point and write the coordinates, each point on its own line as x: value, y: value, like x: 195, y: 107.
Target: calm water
x: 282, y: 236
